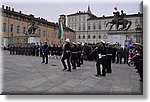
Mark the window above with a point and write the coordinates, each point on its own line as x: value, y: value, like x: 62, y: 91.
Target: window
x: 88, y: 36
x: 79, y: 26
x: 18, y: 28
x: 99, y: 36
x: 83, y: 37
x: 83, y: 25
x: 4, y: 27
x: 94, y: 25
x: 44, y: 33
x: 24, y: 30
x: 99, y: 25
x: 93, y: 36
x: 79, y: 37
x: 11, y: 28
x: 89, y: 26
x: 79, y: 18
x: 75, y: 19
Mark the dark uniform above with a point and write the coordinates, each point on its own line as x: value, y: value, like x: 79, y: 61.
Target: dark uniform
x: 45, y: 51
x: 37, y: 49
x: 66, y: 55
x: 79, y: 50
x: 13, y: 49
x: 108, y: 59
x: 119, y: 54
x: 101, y: 62
x: 10, y: 48
x: 74, y: 56
x: 41, y: 47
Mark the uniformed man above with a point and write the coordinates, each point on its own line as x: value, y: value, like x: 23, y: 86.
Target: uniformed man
x: 66, y: 55
x: 13, y: 49
x: 101, y: 62
x: 74, y: 55
x: 79, y: 50
x: 37, y: 49
x: 41, y: 47
x: 45, y: 51
x: 108, y: 58
x: 119, y: 53
x: 10, y: 49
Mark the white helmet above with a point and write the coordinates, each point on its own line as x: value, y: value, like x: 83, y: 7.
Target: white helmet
x: 67, y: 40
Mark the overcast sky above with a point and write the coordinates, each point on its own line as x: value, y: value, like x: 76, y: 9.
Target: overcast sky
x: 51, y: 9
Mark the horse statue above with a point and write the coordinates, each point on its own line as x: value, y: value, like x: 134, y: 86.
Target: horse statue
x: 32, y: 27
x: 119, y: 20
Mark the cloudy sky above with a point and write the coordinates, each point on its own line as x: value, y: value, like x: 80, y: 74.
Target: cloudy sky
x: 51, y: 9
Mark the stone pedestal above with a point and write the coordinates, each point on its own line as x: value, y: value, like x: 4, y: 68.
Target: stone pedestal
x: 120, y: 36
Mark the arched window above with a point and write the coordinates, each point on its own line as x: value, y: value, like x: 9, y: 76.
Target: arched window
x: 83, y: 37
x: 88, y: 36
x: 93, y: 36
x: 79, y: 37
x: 99, y: 36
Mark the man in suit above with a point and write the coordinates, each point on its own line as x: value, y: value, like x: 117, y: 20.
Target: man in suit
x: 45, y: 51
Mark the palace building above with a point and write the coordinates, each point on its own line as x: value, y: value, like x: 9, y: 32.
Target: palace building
x: 15, y: 27
x: 91, y: 29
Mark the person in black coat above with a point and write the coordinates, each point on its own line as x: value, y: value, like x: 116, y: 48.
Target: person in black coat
x: 45, y: 51
x: 101, y: 60
x: 74, y: 55
x: 37, y: 49
x: 66, y: 55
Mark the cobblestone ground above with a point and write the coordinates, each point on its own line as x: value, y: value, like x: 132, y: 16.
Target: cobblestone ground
x: 27, y: 75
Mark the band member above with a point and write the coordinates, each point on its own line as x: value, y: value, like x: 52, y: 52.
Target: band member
x: 66, y: 55
x: 101, y: 62
x: 74, y: 55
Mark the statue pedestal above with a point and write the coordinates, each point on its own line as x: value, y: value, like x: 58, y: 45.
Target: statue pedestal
x: 118, y: 36
x: 33, y: 38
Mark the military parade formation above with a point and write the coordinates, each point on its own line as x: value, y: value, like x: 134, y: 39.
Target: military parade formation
x: 103, y: 53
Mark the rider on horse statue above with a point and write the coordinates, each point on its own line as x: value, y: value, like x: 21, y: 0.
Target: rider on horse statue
x: 118, y: 19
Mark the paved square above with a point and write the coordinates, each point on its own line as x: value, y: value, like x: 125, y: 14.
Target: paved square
x: 26, y: 75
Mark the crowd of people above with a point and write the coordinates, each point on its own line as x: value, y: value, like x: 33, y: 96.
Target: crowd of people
x: 103, y: 53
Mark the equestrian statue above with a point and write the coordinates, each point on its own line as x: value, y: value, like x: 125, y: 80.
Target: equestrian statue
x: 33, y: 26
x: 118, y: 20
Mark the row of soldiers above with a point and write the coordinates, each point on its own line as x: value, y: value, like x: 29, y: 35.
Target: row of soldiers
x: 103, y: 53
x: 33, y: 49
x: 86, y: 51
x: 30, y: 49
x: 74, y: 54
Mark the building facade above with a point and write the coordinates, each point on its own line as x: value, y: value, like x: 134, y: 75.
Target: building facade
x: 91, y: 29
x: 15, y: 27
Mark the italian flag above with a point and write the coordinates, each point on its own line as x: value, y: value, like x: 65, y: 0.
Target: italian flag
x: 60, y: 30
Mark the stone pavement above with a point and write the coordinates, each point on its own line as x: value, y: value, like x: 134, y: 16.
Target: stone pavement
x: 27, y: 75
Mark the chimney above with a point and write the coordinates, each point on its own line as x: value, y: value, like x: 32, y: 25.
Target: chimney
x: 9, y: 8
x: 6, y: 7
x: 2, y: 6
x: 19, y: 11
x: 12, y: 9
